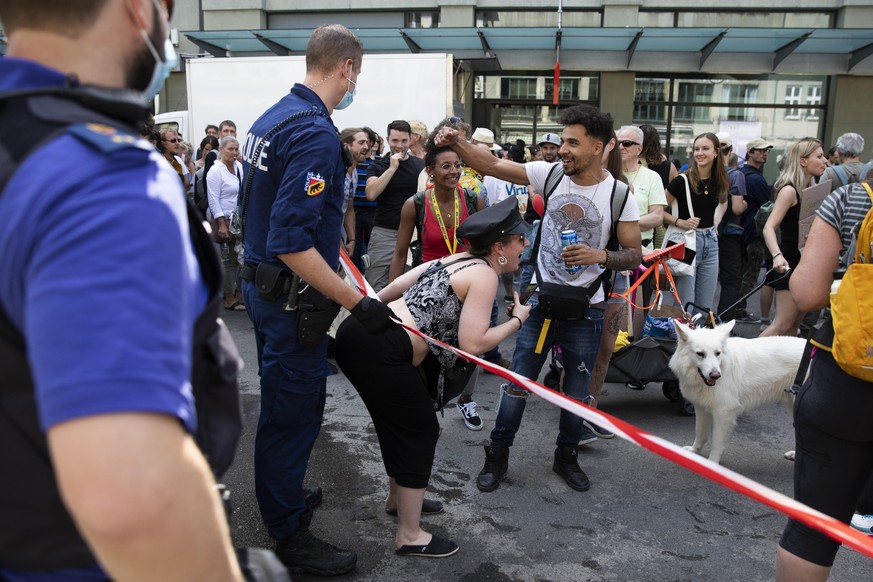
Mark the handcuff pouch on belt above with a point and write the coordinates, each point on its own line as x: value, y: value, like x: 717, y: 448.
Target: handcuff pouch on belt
x: 315, y: 311
x: 563, y: 303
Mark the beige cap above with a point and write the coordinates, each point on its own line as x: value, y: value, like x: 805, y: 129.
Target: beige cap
x: 758, y: 144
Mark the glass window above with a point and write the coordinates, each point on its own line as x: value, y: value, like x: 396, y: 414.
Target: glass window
x: 430, y: 19
x: 780, y: 108
x: 649, y: 96
x: 509, y: 18
x: 792, y: 97
x: 748, y: 19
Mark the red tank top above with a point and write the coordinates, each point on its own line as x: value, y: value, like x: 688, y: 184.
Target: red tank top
x: 433, y: 245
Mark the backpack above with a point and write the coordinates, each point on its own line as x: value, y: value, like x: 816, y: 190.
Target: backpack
x: 852, y: 306
x: 846, y: 178
x: 761, y: 217
x: 418, y: 199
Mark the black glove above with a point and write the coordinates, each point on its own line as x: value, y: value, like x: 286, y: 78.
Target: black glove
x: 374, y: 315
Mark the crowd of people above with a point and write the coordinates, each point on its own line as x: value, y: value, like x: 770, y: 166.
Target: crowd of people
x: 450, y: 200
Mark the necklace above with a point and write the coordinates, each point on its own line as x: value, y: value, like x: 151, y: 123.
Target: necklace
x: 453, y: 244
x: 705, y: 184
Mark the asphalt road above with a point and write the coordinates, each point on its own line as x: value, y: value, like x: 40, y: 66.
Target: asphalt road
x: 644, y: 519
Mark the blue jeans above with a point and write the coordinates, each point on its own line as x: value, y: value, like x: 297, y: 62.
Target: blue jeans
x: 293, y: 389
x: 700, y: 288
x: 580, y: 341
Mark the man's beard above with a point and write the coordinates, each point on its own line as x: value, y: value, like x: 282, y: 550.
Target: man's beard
x: 142, y: 67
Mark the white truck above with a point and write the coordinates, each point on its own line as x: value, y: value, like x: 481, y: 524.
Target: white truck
x: 417, y: 86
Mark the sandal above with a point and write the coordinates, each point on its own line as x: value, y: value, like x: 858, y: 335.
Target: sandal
x: 437, y: 548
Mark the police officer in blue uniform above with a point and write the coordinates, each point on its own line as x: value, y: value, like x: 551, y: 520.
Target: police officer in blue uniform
x: 292, y: 219
x: 100, y: 290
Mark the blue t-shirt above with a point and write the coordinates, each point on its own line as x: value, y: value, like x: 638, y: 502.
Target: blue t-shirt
x: 98, y: 272
x: 296, y: 197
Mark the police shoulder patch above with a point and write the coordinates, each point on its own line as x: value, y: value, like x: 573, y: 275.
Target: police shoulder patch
x: 314, y: 184
x: 104, y: 138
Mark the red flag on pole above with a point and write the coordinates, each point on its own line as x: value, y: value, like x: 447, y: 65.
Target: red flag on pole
x: 556, y: 89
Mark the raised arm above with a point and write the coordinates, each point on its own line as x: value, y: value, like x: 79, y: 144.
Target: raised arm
x: 481, y: 159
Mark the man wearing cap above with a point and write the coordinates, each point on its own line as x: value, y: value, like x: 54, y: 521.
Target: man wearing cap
x: 730, y: 233
x: 758, y: 193
x: 549, y: 144
x: 569, y: 308
x: 390, y: 181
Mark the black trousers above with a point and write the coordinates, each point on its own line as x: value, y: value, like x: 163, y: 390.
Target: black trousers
x: 834, y: 456
x: 380, y: 368
x: 730, y: 273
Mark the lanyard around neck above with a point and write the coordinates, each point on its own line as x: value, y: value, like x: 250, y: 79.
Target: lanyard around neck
x: 453, y: 244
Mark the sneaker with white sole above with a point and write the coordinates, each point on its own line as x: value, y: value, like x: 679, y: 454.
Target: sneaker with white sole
x: 587, y: 437
x: 597, y: 430
x: 863, y: 523
x: 471, y: 417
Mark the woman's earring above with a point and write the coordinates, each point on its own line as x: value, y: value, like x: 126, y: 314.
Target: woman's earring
x: 501, y: 260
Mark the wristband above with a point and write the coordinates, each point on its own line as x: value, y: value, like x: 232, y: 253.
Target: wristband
x: 777, y: 254
x: 520, y: 322
x: 606, y: 260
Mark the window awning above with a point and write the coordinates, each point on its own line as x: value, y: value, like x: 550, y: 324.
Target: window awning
x: 751, y: 50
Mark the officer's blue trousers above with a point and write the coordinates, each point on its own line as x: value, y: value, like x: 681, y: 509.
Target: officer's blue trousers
x: 293, y: 388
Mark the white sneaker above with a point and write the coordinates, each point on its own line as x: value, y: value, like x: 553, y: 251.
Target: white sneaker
x: 471, y: 417
x: 863, y: 523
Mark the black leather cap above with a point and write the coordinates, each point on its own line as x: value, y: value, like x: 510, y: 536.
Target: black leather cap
x: 488, y: 225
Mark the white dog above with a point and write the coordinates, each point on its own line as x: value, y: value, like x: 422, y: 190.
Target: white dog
x: 724, y: 376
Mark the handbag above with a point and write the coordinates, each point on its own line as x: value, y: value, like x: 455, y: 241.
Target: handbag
x: 675, y: 235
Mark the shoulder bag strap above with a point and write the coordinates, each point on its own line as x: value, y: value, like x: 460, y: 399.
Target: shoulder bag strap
x: 688, y: 196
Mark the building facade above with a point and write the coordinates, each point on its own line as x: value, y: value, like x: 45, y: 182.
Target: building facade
x: 780, y: 71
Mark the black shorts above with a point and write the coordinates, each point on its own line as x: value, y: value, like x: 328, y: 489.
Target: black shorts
x: 834, y: 455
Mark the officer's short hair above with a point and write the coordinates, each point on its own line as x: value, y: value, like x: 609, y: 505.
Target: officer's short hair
x: 329, y: 45
x: 53, y: 15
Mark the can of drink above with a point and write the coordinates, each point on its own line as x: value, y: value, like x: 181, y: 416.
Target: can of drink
x: 568, y: 237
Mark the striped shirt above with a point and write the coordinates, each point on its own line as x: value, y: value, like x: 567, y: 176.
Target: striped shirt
x: 845, y: 209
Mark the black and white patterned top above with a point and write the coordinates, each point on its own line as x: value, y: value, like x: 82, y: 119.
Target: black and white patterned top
x: 436, y: 309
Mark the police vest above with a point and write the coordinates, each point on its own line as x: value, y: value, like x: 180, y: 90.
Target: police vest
x: 38, y: 533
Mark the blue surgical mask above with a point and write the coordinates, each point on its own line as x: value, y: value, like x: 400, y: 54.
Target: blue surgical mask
x: 349, y: 96
x: 162, y: 66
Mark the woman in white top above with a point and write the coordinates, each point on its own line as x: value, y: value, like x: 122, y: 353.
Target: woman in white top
x: 222, y: 190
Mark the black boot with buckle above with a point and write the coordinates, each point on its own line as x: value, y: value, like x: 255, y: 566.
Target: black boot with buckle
x: 496, y: 466
x: 567, y: 467
x: 302, y: 552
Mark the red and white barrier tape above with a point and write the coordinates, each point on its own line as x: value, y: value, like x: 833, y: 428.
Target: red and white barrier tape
x: 700, y: 465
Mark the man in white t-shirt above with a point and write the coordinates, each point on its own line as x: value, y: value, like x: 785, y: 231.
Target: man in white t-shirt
x: 569, y: 308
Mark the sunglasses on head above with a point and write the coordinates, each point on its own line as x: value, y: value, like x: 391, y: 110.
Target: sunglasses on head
x: 626, y: 143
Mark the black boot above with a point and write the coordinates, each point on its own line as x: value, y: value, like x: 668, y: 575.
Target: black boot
x: 567, y: 467
x: 312, y: 497
x: 302, y: 552
x: 496, y: 466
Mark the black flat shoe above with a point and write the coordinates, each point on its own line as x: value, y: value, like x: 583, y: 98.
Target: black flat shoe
x: 428, y: 507
x: 437, y: 548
